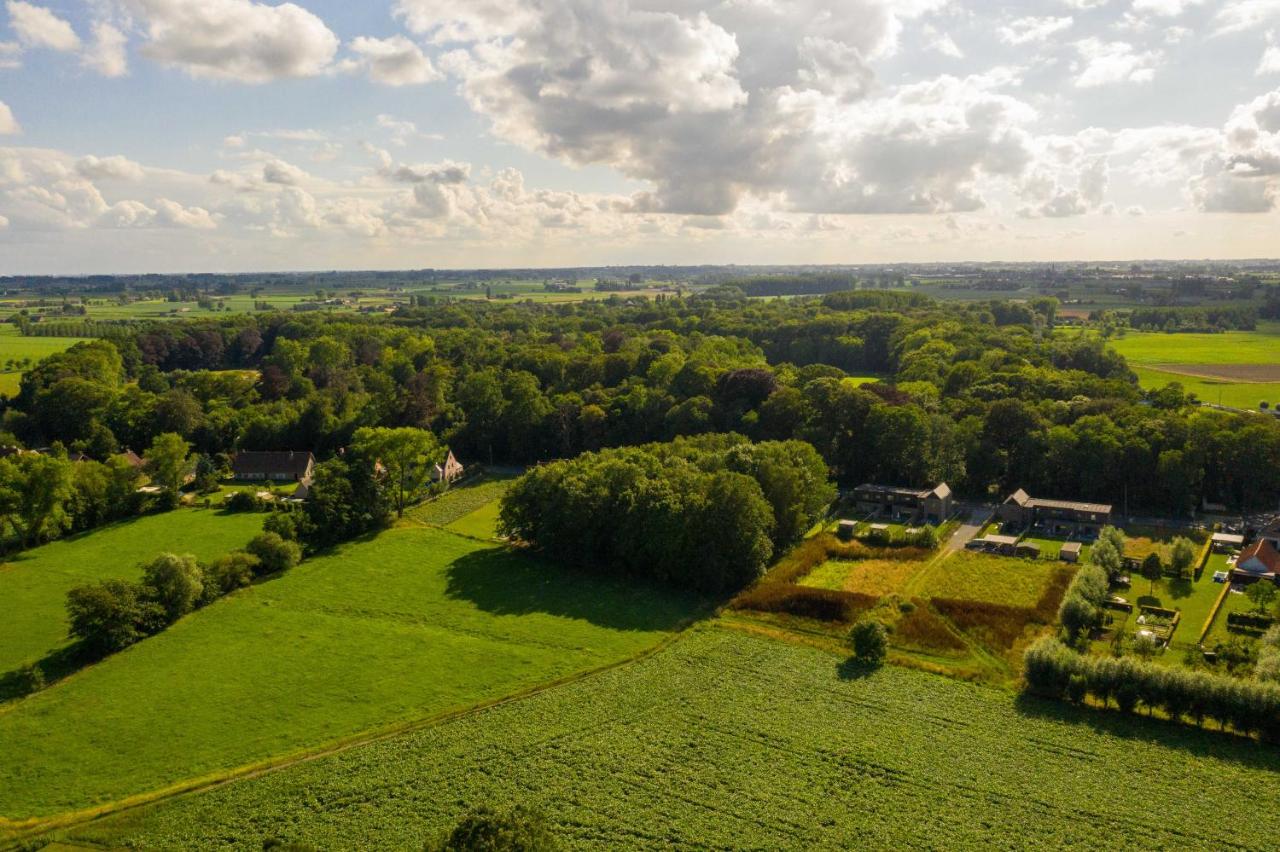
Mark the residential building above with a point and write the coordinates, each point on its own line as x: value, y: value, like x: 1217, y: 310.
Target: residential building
x: 905, y: 504
x: 450, y: 470
x: 284, y: 466
x: 1259, y: 560
x: 1059, y: 517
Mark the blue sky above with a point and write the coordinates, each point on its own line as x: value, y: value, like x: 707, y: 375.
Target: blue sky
x: 160, y: 135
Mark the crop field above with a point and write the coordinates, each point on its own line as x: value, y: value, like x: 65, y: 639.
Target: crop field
x: 877, y: 577
x: 410, y: 624
x: 34, y: 583
x: 992, y: 579
x: 725, y: 740
x: 1236, y: 368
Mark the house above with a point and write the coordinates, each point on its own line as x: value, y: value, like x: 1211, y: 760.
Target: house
x: 1060, y: 517
x: 133, y: 459
x: 1259, y: 560
x: 301, y: 493
x: 449, y: 471
x: 1070, y: 552
x: 905, y: 504
x: 285, y: 466
x: 1271, y: 533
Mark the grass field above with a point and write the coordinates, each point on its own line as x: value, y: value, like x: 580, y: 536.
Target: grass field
x: 34, y: 583
x: 482, y: 523
x: 993, y: 579
x: 413, y: 623
x: 729, y: 741
x: 1210, y: 365
x: 13, y: 346
x: 461, y: 500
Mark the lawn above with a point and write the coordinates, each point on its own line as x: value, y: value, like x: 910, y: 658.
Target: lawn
x: 461, y: 500
x: 482, y: 523
x: 34, y: 583
x: 1050, y: 548
x: 1195, y: 598
x: 877, y: 577
x: 413, y: 623
x: 728, y: 741
x: 995, y: 579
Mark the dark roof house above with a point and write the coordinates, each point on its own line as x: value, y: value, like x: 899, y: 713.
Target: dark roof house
x: 283, y: 466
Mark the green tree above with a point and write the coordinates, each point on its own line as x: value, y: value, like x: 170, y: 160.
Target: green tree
x: 168, y: 461
x: 407, y: 455
x: 1261, y: 594
x: 487, y: 830
x: 1153, y: 569
x: 870, y: 642
x: 42, y: 488
x: 274, y: 554
x: 174, y: 582
x: 1183, y: 556
x: 111, y: 615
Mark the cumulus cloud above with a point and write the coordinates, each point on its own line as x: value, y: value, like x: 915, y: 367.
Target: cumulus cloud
x: 1164, y: 8
x: 394, y: 61
x: 1032, y: 29
x: 238, y: 40
x: 106, y: 55
x: 280, y: 172
x: 116, y: 167
x: 10, y: 54
x: 175, y: 215
x: 1270, y: 62
x: 8, y: 124
x: 1107, y: 63
x: 36, y: 26
x: 1240, y: 15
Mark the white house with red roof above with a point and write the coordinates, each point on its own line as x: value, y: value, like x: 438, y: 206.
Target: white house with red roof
x: 1260, y: 560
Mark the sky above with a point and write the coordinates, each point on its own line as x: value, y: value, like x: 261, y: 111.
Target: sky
x: 236, y: 135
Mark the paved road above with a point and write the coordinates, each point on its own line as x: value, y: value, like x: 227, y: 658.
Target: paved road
x: 977, y: 519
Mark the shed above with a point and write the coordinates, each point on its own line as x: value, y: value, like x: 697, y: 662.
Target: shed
x: 1070, y: 552
x: 1028, y: 549
x: 1223, y: 542
x: 846, y: 529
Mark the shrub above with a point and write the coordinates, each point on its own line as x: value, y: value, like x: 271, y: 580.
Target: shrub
x: 486, y: 830
x: 28, y: 679
x: 274, y: 553
x: 243, y: 501
x: 804, y: 601
x: 228, y: 573
x: 870, y: 642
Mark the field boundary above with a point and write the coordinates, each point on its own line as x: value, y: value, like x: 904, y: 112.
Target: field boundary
x: 13, y: 832
x: 1213, y: 613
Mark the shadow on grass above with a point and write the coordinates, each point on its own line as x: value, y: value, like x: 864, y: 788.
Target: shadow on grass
x: 855, y: 669
x: 54, y: 666
x: 1201, y: 742
x: 504, y: 582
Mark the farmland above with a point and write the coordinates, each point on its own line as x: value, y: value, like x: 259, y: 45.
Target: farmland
x: 1234, y: 368
x: 412, y: 623
x: 16, y: 348
x: 726, y: 740
x: 34, y: 584
x: 992, y: 579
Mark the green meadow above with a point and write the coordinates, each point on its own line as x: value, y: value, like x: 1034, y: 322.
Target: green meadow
x: 413, y: 623
x: 729, y: 741
x: 34, y: 583
x: 1189, y: 359
x: 13, y: 346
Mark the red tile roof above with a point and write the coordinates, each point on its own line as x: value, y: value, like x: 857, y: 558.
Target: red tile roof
x: 1264, y: 552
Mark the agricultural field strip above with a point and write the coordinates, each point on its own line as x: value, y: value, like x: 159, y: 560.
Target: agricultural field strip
x: 716, y: 753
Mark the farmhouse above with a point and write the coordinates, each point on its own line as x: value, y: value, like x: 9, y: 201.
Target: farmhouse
x: 905, y: 504
x: 1061, y: 517
x: 286, y: 466
x: 449, y: 471
x: 1260, y: 560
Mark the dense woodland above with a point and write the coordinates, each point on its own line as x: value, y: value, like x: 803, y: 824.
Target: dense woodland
x: 987, y: 396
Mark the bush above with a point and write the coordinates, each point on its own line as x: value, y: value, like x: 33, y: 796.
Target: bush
x: 274, y: 553
x: 870, y: 642
x: 486, y: 830
x: 228, y: 573
x: 28, y: 679
x: 243, y: 501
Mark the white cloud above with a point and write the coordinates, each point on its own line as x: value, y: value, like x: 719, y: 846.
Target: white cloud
x: 1239, y: 15
x: 394, y: 61
x: 8, y: 124
x: 1030, y: 29
x: 1107, y: 63
x: 117, y: 167
x: 106, y: 55
x: 1270, y: 62
x: 236, y: 40
x: 280, y: 172
x: 36, y: 26
x: 10, y: 54
x: 1164, y: 8
x: 175, y: 215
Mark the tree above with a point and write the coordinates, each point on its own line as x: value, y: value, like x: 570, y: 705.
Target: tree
x: 1261, y: 594
x: 486, y: 830
x: 168, y: 461
x: 111, y: 615
x: 1183, y: 556
x: 1145, y: 645
x: 1153, y: 569
x: 274, y: 554
x: 228, y: 573
x: 407, y: 455
x: 1107, y: 554
x: 43, y: 486
x: 174, y: 582
x: 869, y: 641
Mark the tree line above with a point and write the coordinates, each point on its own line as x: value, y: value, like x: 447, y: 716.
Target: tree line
x: 703, y: 513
